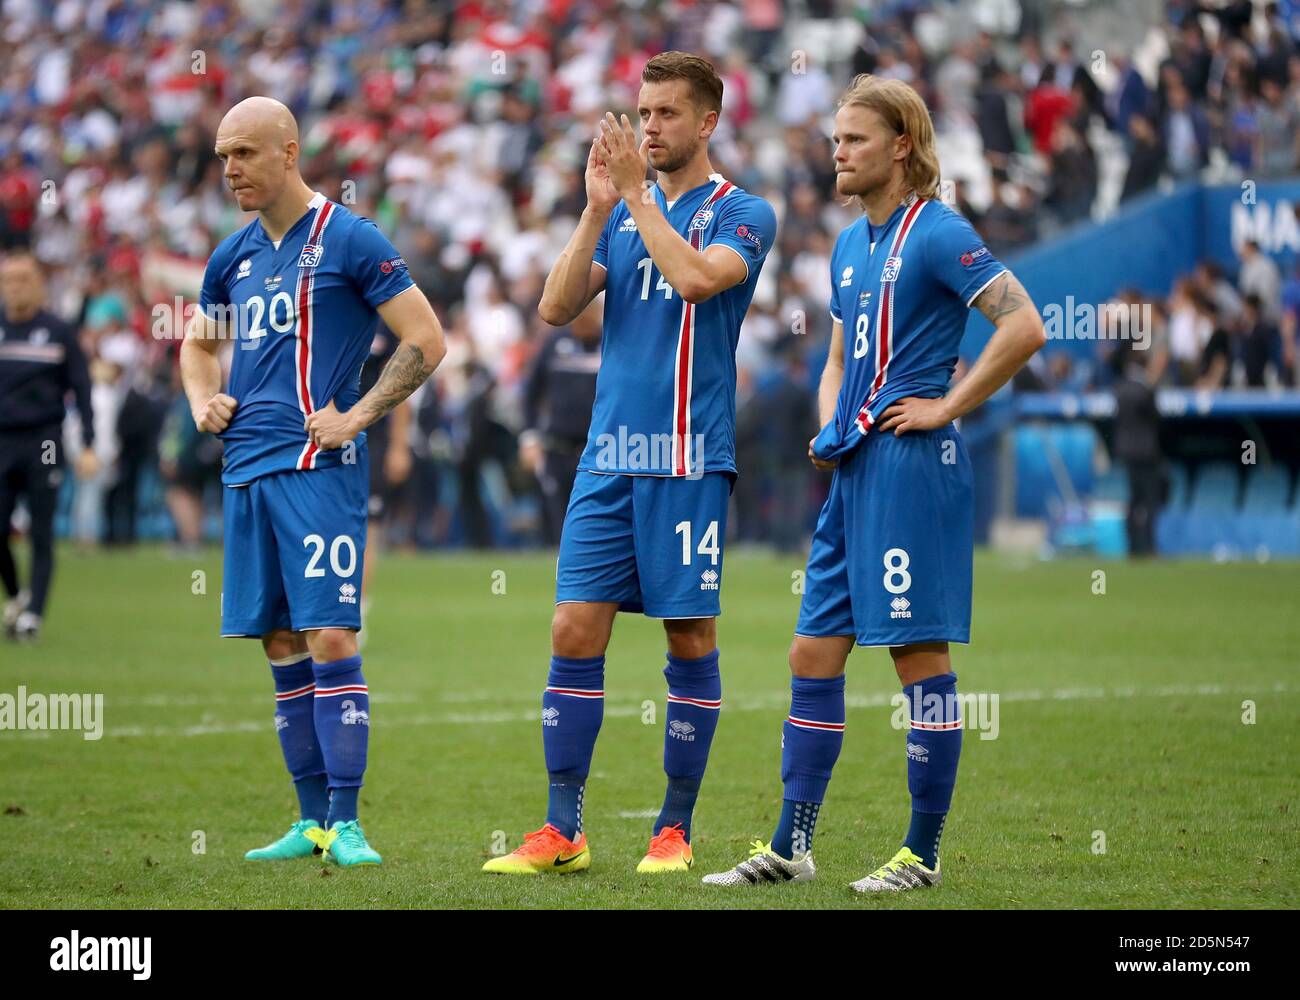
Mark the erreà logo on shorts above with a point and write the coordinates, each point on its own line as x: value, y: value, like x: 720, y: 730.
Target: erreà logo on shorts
x: 102, y: 954
x: 900, y: 605
x: 709, y: 579
x: 348, y: 593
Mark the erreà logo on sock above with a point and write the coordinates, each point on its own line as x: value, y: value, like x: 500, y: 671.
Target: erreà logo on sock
x: 102, y: 954
x: 550, y: 715
x: 680, y: 730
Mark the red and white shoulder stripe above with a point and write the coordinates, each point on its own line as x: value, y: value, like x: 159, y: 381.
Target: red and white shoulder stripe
x: 304, y: 298
x: 885, y: 315
x: 684, y: 363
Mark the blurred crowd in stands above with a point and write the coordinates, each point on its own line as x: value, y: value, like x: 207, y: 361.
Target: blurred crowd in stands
x: 462, y: 128
x: 1210, y: 333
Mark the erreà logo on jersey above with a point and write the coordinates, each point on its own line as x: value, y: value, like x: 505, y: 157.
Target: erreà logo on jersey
x: 846, y: 277
x: 310, y: 255
x: 702, y: 218
x: 892, y: 265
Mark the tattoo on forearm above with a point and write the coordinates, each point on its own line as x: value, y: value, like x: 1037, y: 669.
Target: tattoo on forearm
x: 405, y: 372
x: 1005, y: 296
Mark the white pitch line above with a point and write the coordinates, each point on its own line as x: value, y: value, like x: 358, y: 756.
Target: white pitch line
x: 204, y: 700
x: 772, y: 702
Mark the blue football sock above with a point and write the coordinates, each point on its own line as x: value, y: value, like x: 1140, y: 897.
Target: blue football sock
x: 794, y: 830
x: 694, y: 700
x: 933, y: 750
x: 342, y: 711
x: 810, y: 745
x: 296, y: 728
x: 343, y: 804
x: 573, y: 706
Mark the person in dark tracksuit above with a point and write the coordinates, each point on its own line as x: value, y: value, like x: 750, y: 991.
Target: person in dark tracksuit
x: 1137, y: 446
x: 558, y: 395
x: 40, y: 363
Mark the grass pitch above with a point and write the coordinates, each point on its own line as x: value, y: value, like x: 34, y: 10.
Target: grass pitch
x: 1120, y: 725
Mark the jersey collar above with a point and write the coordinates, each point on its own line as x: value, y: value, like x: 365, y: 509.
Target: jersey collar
x: 714, y: 180
x: 317, y: 200
x: 875, y: 235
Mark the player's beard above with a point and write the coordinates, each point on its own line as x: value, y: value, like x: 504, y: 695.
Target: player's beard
x: 863, y: 184
x: 676, y: 158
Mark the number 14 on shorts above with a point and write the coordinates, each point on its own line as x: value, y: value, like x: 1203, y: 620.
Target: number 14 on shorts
x: 708, y: 546
x: 708, y: 542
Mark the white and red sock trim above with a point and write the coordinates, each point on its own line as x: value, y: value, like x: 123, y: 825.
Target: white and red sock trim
x: 576, y: 692
x: 324, y: 692
x: 813, y: 724
x: 955, y: 724
x: 697, y: 702
x: 295, y: 693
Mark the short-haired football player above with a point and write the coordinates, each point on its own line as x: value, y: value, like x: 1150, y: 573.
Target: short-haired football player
x: 644, y: 530
x: 297, y: 293
x: 890, y: 563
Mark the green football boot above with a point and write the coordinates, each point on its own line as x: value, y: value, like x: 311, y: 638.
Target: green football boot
x: 297, y: 843
x: 345, y: 844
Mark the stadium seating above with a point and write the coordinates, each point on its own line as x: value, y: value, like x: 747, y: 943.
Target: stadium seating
x: 1268, y: 491
x: 1217, y: 509
x: 1051, y: 460
x: 1221, y: 519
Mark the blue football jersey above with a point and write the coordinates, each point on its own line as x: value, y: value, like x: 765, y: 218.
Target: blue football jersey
x: 902, y: 291
x: 304, y: 317
x: 666, y: 391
